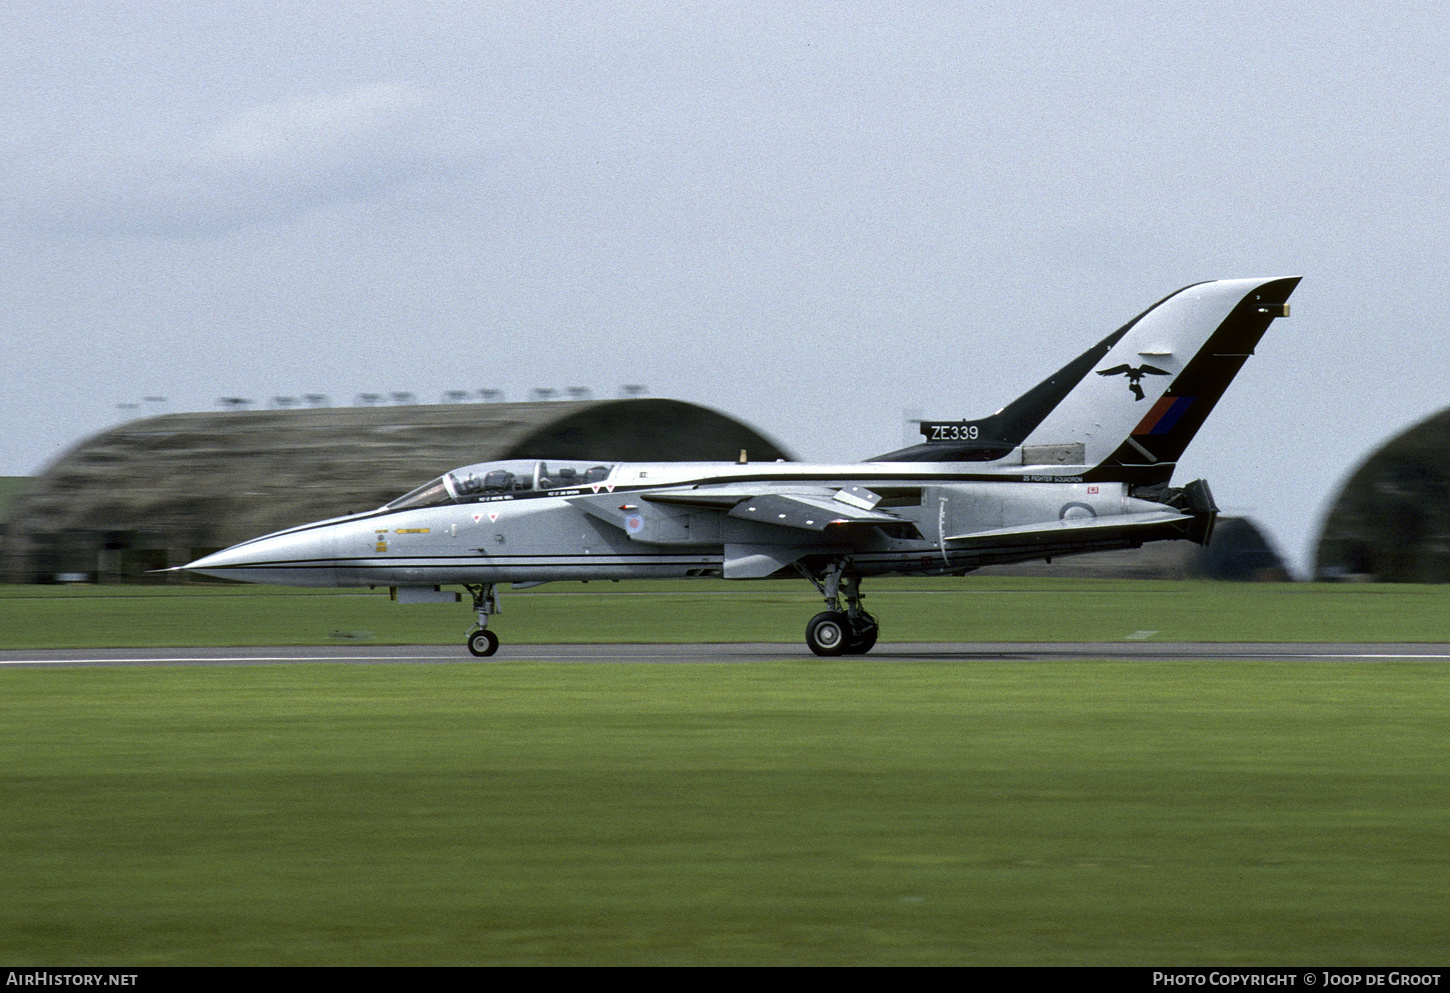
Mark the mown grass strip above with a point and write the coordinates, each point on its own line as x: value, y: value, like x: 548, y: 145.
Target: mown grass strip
x: 971, y: 609
x: 812, y: 812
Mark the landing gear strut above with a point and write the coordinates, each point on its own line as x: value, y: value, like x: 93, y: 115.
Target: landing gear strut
x: 835, y: 631
x: 481, y: 641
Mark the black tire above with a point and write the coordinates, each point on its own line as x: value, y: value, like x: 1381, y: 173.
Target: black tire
x: 862, y: 637
x: 827, y: 632
x: 483, y: 643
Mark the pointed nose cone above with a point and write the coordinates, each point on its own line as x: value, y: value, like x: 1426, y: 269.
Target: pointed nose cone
x: 302, y: 557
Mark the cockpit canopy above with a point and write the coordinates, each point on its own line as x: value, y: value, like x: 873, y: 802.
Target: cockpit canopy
x: 493, y: 479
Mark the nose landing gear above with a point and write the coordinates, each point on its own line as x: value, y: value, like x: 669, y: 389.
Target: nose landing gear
x: 481, y: 641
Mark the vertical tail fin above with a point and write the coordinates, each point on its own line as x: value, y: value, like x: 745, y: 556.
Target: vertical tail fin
x: 1138, y: 408
x: 1127, y: 407
x: 1162, y: 429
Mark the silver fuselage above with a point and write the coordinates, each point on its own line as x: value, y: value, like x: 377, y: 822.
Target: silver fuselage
x: 672, y: 520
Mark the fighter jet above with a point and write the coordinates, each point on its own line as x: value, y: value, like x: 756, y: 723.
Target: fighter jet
x: 1076, y: 464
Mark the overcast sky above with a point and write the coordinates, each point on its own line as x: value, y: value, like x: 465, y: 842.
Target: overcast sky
x: 808, y: 215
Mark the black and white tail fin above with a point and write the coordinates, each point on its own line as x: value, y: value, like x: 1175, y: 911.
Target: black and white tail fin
x: 1127, y: 407
x: 1151, y: 393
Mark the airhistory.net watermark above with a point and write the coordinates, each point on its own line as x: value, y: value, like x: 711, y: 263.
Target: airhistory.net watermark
x: 46, y: 977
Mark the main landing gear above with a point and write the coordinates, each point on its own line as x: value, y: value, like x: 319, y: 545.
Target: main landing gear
x: 481, y: 641
x: 835, y: 631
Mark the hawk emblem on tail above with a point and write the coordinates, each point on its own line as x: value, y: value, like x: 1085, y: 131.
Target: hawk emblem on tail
x: 1135, y: 376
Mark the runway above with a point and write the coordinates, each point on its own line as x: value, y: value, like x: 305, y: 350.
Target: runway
x: 891, y: 653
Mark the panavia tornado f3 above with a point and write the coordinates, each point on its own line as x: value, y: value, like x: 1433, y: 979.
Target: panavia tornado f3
x: 1079, y: 463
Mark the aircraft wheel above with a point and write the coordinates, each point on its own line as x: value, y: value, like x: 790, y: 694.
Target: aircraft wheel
x: 827, y: 632
x: 862, y: 637
x: 483, y: 643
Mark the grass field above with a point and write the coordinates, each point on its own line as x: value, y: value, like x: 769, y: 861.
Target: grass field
x: 943, y: 610
x: 807, y: 811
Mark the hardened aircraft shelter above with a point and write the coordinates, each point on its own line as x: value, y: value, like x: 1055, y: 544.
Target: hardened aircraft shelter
x: 159, y: 492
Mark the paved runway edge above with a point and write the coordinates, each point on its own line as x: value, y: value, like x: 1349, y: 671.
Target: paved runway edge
x: 906, y: 652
